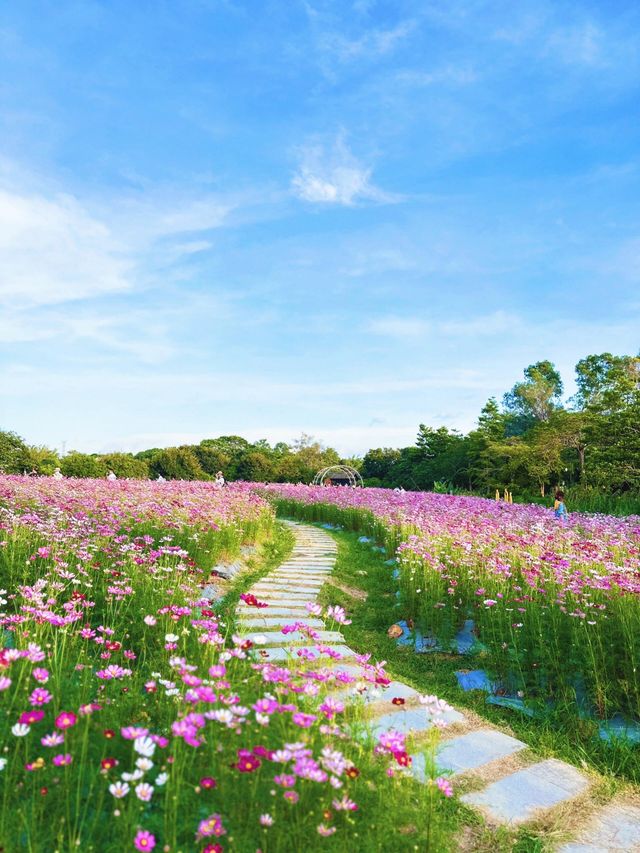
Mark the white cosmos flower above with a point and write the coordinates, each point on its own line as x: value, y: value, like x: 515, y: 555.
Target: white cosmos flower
x: 144, y: 746
x: 144, y: 764
x: 119, y: 790
x: 161, y: 779
x: 171, y: 638
x: 133, y: 777
x: 20, y: 729
x: 144, y: 791
x: 3, y: 763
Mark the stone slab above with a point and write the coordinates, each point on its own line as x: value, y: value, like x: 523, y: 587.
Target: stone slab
x: 302, y: 586
x: 291, y: 613
x: 615, y: 828
x: 520, y: 796
x: 472, y: 750
x: 408, y: 720
x: 258, y: 622
x: 275, y: 638
x: 377, y: 694
x: 287, y: 654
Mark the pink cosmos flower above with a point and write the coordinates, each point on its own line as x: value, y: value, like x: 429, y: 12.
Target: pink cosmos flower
x: 65, y: 720
x: 54, y: 739
x: 30, y: 717
x: 144, y: 840
x: 40, y: 696
x: 5, y: 682
x: 62, y: 759
x: 445, y: 786
x: 41, y: 675
x: 211, y: 825
x: 304, y: 720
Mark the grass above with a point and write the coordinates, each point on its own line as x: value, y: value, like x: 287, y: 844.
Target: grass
x: 361, y: 571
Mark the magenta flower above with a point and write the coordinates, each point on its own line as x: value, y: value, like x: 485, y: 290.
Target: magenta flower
x: 41, y: 675
x: 211, y: 826
x: 444, y: 785
x: 304, y: 720
x: 30, y: 717
x: 62, y: 760
x: 40, y: 696
x: 65, y: 720
x: 144, y: 840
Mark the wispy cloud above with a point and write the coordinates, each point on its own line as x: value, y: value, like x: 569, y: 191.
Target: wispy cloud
x: 333, y: 175
x: 57, y: 247
x: 372, y: 43
x: 398, y: 327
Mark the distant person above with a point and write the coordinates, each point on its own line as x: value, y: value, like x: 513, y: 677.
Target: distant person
x: 160, y: 479
x: 58, y: 475
x: 111, y: 476
x: 559, y: 508
x: 219, y: 480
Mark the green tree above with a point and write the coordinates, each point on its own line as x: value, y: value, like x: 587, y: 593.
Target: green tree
x: 538, y: 396
x: 14, y: 453
x: 126, y: 465
x: 176, y: 463
x: 606, y: 382
x: 379, y: 463
x: 256, y: 466
x: 43, y: 460
x: 76, y: 464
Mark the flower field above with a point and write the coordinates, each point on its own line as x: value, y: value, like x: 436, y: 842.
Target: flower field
x: 133, y: 717
x: 555, y: 606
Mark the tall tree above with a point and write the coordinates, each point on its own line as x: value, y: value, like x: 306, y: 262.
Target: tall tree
x: 538, y: 395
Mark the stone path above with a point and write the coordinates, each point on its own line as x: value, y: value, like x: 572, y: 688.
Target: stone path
x: 510, y: 788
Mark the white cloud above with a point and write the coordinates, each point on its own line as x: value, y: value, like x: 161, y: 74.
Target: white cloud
x: 53, y: 250
x: 577, y: 45
x: 373, y: 43
x: 57, y: 248
x: 398, y: 327
x: 334, y: 176
x: 462, y: 75
x: 488, y: 324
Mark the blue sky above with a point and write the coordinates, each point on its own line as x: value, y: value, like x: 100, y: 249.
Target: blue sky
x: 343, y: 218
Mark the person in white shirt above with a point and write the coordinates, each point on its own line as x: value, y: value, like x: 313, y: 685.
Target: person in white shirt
x: 111, y: 476
x: 219, y: 480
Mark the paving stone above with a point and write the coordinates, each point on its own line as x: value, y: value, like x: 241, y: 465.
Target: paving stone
x: 407, y: 720
x: 614, y: 828
x: 520, y: 796
x: 475, y: 749
x: 302, y: 586
x: 286, y: 654
x: 274, y: 621
x: 290, y: 613
x: 274, y: 638
x: 377, y: 694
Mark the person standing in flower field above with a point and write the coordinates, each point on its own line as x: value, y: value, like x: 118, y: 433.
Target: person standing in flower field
x: 559, y: 507
x: 219, y: 480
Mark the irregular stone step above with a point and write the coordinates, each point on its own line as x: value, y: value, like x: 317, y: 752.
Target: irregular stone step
x: 306, y: 582
x: 276, y: 622
x: 521, y: 796
x: 288, y: 613
x: 408, y: 720
x: 283, y: 654
x: 614, y: 828
x: 275, y: 638
x: 379, y: 695
x: 467, y: 752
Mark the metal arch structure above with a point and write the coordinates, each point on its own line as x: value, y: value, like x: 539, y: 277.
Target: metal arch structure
x: 339, y: 472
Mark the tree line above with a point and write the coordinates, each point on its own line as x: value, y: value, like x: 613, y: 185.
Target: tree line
x: 530, y: 441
